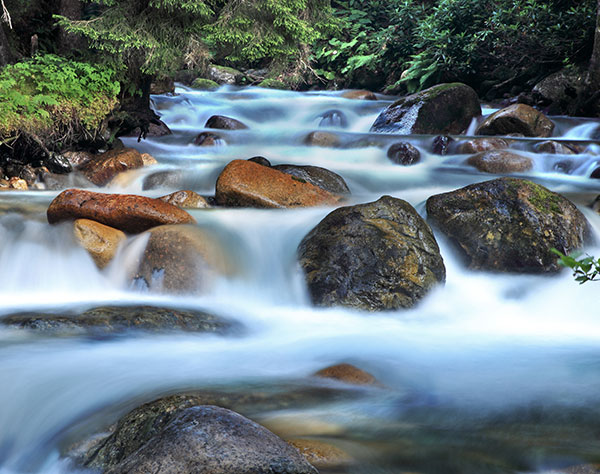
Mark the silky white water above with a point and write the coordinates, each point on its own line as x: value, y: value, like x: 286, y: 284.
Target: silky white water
x: 481, y: 345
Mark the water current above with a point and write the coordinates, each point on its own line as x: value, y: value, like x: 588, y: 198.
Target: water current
x: 489, y: 373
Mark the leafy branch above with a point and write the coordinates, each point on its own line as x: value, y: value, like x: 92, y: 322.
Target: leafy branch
x: 585, y: 268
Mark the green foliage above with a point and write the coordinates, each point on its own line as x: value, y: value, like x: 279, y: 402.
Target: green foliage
x: 48, y: 95
x: 585, y: 268
x: 416, y: 44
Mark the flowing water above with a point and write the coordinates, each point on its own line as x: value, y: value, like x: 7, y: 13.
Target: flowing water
x: 489, y: 373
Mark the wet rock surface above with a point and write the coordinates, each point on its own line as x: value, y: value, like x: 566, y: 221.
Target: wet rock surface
x: 517, y: 119
x: 176, y: 435
x: 186, y: 199
x: 321, y: 177
x: 208, y: 139
x: 101, y: 241
x: 181, y: 259
x: 478, y: 145
x: 347, y: 373
x: 127, y: 212
x: 248, y: 184
x: 224, y: 123
x: 500, y: 161
x: 359, y: 95
x: 324, y: 139
x: 403, y: 153
x: 106, y: 166
x: 375, y: 256
x: 110, y: 320
x: 441, y: 109
x: 509, y: 225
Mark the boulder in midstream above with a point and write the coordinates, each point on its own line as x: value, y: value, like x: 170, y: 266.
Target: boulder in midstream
x: 101, y: 241
x: 323, y: 139
x: 104, y: 167
x: 176, y: 435
x: 441, y: 109
x: 404, y: 153
x: 376, y: 256
x: 518, y: 118
x: 500, y: 161
x: 224, y: 123
x: 127, y: 212
x: 509, y: 225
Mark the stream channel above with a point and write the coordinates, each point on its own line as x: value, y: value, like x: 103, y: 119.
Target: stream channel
x: 489, y: 373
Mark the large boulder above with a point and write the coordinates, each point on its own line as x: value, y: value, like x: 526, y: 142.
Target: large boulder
x: 110, y: 320
x: 175, y: 435
x: 181, y: 259
x: 321, y: 177
x: 127, y: 212
x: 101, y: 241
x: 509, y: 225
x: 500, y: 161
x: 517, y: 119
x: 376, y: 256
x: 441, y: 109
x: 249, y: 184
x: 107, y: 165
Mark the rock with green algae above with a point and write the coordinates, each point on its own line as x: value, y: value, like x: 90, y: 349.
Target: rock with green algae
x: 509, y: 225
x: 180, y: 434
x: 270, y: 83
x: 375, y: 256
x: 441, y: 109
x: 204, y: 84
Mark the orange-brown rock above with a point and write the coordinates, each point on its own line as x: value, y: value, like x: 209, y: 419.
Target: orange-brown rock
x: 107, y: 165
x: 478, y: 145
x: 78, y: 159
x: 500, y: 161
x: 101, y: 241
x: 359, y: 95
x: 322, y: 455
x: 555, y: 148
x: 148, y: 159
x: 181, y: 259
x: 127, y: 212
x: 347, y: 373
x: 18, y: 183
x: 187, y: 199
x: 248, y: 184
x: 517, y: 118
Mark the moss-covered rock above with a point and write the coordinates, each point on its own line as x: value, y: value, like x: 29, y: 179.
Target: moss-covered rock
x: 270, y: 83
x: 225, y: 75
x: 376, y: 256
x: 204, y: 84
x: 509, y: 225
x: 441, y: 109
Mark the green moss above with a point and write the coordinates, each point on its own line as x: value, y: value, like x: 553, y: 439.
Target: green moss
x: 204, y: 84
x: 270, y: 83
x: 228, y: 70
x: 539, y: 197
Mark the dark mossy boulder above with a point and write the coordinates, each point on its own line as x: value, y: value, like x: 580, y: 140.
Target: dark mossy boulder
x: 509, y: 225
x: 178, y: 435
x: 106, y: 320
x: 204, y: 84
x: 376, y: 256
x: 517, y: 119
x: 321, y: 177
x: 441, y: 109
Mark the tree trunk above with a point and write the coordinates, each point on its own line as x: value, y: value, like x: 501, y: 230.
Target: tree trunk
x: 73, y: 10
x: 5, y: 56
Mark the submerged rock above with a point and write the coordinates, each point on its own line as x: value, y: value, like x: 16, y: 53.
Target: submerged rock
x: 517, y: 119
x: 127, y: 212
x: 323, y: 455
x: 181, y: 259
x: 106, y: 166
x: 375, y: 256
x: 555, y: 148
x: 403, y: 153
x: 208, y: 139
x: 500, y: 161
x: 321, y: 177
x: 478, y: 145
x: 441, y: 109
x: 347, y: 373
x: 107, y: 320
x: 224, y: 123
x: 176, y: 435
x: 248, y: 184
x: 101, y: 241
x: 509, y: 225
x: 359, y: 95
x: 324, y: 139
x: 333, y: 118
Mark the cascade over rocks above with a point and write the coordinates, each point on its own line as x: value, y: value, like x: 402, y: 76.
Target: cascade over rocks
x: 176, y: 435
x: 127, y: 212
x: 441, y: 109
x: 248, y: 184
x: 106, y: 320
x: 500, y: 161
x: 321, y: 177
x: 375, y: 256
x: 181, y: 259
x: 519, y: 119
x: 509, y: 225
x: 101, y: 241
x: 208, y: 139
x: 106, y: 166
x: 224, y: 123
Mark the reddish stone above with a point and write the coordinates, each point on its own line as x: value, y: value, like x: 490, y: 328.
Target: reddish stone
x: 248, y: 184
x: 126, y: 212
x: 359, y: 95
x: 107, y: 165
x: 347, y: 373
